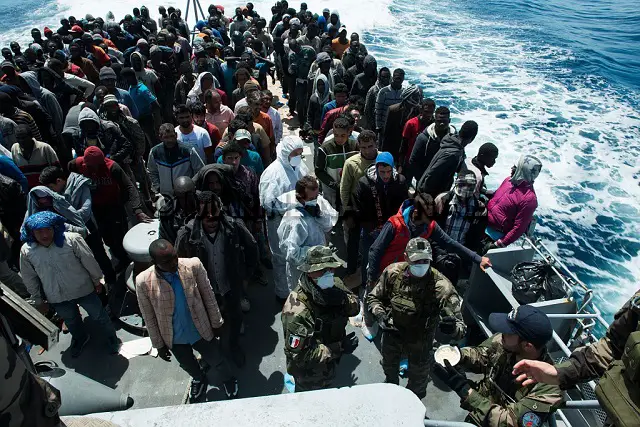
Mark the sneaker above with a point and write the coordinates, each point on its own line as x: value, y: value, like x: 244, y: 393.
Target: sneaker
x: 198, y: 389
x: 77, y: 346
x: 114, y: 345
x: 245, y: 305
x: 404, y: 367
x: 231, y: 388
x: 369, y: 332
x: 289, y: 383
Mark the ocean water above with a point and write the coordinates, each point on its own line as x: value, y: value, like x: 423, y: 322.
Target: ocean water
x: 556, y: 78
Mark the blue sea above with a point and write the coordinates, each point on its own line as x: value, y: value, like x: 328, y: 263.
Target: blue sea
x: 556, y: 78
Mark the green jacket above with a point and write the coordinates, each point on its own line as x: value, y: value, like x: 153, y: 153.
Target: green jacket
x: 354, y: 169
x: 498, y: 400
x: 415, y: 304
x: 329, y: 161
x: 313, y: 331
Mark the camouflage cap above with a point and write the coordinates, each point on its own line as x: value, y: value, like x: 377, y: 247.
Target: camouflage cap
x: 320, y: 257
x: 418, y: 249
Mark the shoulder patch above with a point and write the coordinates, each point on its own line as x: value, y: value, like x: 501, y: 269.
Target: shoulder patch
x: 530, y: 419
x: 294, y: 341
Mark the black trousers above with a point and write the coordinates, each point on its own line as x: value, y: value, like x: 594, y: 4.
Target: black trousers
x: 112, y: 223
x: 300, y: 99
x: 94, y: 241
x: 210, y: 352
x: 232, y: 313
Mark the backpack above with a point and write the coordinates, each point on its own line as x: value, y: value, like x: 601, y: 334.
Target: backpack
x: 618, y: 391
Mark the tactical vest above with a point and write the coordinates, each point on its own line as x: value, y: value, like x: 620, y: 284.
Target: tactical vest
x: 414, y: 308
x: 618, y: 390
x: 330, y: 323
x: 401, y: 236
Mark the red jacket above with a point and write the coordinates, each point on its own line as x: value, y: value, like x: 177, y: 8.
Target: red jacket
x: 401, y: 236
x: 327, y: 123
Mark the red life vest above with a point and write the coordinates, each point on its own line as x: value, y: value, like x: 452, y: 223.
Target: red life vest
x: 105, y: 190
x: 401, y: 237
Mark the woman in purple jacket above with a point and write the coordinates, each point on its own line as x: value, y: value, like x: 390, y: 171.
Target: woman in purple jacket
x: 513, y: 204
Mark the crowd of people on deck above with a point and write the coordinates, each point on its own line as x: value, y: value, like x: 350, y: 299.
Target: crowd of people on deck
x: 106, y: 124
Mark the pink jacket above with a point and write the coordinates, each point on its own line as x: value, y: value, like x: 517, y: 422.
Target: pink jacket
x: 511, y: 210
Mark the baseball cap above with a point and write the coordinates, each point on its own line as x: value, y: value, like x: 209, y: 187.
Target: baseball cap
x: 418, y: 249
x: 242, y: 134
x: 528, y: 322
x: 320, y: 257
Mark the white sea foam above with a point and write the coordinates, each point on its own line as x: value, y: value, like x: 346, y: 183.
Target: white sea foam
x: 524, y: 99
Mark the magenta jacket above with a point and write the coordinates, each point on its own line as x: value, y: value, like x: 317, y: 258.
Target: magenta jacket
x: 511, y: 210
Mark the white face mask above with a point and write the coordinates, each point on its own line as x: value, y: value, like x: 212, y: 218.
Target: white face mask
x: 419, y: 270
x: 295, y: 161
x: 313, y: 202
x: 326, y: 280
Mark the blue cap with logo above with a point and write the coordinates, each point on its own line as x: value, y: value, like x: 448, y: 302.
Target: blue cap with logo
x: 528, y: 322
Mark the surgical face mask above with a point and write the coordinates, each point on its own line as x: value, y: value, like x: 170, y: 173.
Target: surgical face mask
x: 295, y: 161
x: 313, y: 202
x: 419, y: 270
x: 463, y: 192
x: 326, y: 280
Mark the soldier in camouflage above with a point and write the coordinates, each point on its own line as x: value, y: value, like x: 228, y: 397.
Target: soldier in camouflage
x: 408, y: 300
x: 601, y: 359
x: 498, y: 400
x: 314, y: 318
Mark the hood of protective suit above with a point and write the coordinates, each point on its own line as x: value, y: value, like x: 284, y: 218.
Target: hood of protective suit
x: 527, y: 170
x: 326, y: 221
x: 280, y: 177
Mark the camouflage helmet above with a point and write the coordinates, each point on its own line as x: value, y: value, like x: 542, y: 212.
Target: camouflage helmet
x: 418, y: 249
x: 320, y: 257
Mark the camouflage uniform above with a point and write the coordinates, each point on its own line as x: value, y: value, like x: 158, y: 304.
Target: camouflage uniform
x: 26, y: 399
x: 498, y: 400
x: 414, y: 305
x: 314, y: 330
x: 589, y: 363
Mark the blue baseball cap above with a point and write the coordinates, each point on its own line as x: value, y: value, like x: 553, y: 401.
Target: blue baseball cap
x: 528, y: 322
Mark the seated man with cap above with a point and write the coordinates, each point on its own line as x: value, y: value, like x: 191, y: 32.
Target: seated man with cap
x: 498, y: 399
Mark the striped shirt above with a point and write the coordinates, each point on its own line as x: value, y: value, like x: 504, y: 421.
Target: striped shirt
x: 41, y: 157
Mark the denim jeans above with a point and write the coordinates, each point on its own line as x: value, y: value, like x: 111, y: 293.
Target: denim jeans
x: 68, y: 310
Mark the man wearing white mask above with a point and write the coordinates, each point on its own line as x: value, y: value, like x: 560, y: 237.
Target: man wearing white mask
x: 278, y: 178
x: 304, y: 225
x: 314, y: 320
x: 410, y: 299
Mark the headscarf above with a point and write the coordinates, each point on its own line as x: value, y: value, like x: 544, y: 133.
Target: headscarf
x: 196, y: 90
x: 527, y: 170
x: 200, y: 24
x: 322, y: 23
x: 323, y: 98
x: 60, y: 205
x: 40, y: 220
x: 411, y: 95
